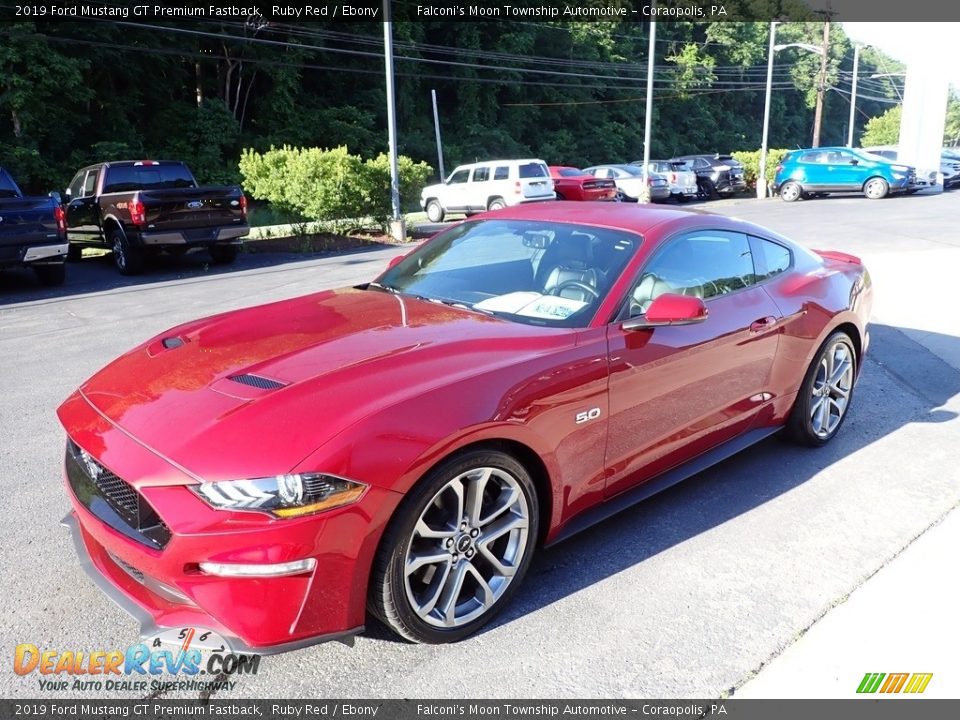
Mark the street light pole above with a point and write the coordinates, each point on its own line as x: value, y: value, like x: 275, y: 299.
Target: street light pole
x: 648, y: 120
x: 436, y: 129
x: 853, y: 95
x: 821, y: 85
x: 396, y: 226
x: 762, y: 174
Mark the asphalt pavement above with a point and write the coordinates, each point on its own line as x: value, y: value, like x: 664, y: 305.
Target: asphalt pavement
x: 703, y: 591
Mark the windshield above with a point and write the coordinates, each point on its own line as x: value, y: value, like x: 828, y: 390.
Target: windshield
x: 527, y: 271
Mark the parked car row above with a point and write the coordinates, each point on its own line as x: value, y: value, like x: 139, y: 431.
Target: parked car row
x: 873, y: 171
x: 134, y: 208
x: 496, y: 184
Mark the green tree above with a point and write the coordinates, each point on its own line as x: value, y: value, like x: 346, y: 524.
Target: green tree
x: 884, y: 129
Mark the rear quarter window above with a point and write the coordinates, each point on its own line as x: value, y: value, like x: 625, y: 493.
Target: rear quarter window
x: 774, y: 258
x: 501, y: 173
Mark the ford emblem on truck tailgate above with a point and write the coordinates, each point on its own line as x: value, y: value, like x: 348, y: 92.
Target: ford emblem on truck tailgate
x: 194, y: 204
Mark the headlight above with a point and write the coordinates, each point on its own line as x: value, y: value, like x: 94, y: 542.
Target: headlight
x: 283, y: 496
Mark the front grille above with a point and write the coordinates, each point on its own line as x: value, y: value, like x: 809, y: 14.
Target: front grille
x: 113, y: 500
x: 256, y: 381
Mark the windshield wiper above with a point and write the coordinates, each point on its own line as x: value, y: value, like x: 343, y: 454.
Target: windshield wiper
x: 386, y: 288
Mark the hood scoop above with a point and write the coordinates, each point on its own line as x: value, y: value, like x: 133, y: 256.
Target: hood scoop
x: 255, y: 381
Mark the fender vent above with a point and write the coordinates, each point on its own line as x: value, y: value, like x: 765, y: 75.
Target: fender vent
x: 258, y: 382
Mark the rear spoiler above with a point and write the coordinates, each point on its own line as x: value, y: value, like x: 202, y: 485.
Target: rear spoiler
x: 839, y: 256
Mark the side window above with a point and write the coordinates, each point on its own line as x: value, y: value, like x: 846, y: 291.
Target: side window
x: 501, y: 173
x: 774, y: 258
x: 481, y: 174
x: 813, y: 157
x: 90, y: 183
x: 76, y: 185
x: 705, y: 264
x: 459, y: 176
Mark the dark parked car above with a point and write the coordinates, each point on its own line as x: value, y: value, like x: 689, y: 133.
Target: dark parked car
x: 820, y: 171
x: 717, y: 175
x: 400, y: 449
x: 33, y: 232
x: 136, y: 207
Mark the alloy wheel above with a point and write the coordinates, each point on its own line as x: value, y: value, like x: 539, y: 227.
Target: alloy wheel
x: 831, y: 390
x: 466, y: 547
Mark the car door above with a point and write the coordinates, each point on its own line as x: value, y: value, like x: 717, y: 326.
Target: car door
x: 478, y: 190
x: 847, y: 171
x: 676, y: 392
x: 455, y: 193
x: 82, y: 210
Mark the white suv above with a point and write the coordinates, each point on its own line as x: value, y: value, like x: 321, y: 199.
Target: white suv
x: 488, y: 186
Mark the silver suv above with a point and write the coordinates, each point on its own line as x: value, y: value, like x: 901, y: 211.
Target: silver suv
x: 488, y: 185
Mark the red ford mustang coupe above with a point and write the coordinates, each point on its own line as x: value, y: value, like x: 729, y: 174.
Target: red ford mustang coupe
x: 404, y: 446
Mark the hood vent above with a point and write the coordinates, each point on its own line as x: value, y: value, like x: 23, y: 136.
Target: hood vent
x: 256, y: 381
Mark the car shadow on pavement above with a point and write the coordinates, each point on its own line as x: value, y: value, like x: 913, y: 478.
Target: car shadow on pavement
x: 98, y: 273
x: 737, y: 485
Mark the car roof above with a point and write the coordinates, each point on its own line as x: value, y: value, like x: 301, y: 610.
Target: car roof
x: 499, y: 162
x: 629, y: 217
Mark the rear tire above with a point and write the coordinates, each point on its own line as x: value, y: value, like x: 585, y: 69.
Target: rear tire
x: 823, y: 401
x: 446, y: 565
x: 223, y: 254
x: 496, y: 204
x: 128, y: 259
x: 435, y: 211
x: 791, y: 191
x: 51, y: 275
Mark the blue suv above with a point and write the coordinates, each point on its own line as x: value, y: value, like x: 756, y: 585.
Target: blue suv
x: 820, y: 171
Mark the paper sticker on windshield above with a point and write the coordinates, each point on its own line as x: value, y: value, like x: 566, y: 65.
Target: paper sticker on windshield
x: 533, y: 304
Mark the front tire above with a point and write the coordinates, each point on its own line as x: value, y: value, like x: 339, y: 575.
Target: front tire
x: 129, y: 260
x: 875, y: 188
x: 824, y: 398
x: 435, y: 211
x: 457, y: 548
x: 791, y: 191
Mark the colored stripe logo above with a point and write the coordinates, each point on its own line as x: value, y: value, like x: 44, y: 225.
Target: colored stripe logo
x: 913, y: 683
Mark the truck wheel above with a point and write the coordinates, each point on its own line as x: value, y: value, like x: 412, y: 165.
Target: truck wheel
x: 51, y: 275
x: 74, y: 252
x: 127, y: 258
x: 223, y: 254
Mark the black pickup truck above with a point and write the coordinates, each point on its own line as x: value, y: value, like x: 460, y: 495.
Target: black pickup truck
x: 138, y: 207
x: 33, y: 232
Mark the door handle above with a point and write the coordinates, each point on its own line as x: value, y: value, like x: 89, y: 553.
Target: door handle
x: 762, y: 324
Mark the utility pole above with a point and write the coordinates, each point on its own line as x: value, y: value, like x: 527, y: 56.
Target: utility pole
x: 821, y: 84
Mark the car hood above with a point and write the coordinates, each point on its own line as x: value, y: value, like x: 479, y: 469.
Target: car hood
x: 254, y: 392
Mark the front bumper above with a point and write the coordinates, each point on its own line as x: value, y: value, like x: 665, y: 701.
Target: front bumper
x: 120, y: 585
x: 161, y: 583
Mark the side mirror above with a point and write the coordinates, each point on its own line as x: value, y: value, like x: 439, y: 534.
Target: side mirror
x: 56, y: 197
x: 854, y: 162
x: 396, y: 260
x: 67, y: 192
x: 669, y: 309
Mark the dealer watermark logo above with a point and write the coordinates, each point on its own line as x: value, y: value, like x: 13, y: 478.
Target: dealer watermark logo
x: 198, y: 658
x: 911, y: 683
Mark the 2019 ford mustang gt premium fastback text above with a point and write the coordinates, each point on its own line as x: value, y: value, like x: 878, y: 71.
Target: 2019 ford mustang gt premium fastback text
x: 403, y: 447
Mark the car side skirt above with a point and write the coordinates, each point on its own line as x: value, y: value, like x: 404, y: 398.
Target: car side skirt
x: 641, y: 492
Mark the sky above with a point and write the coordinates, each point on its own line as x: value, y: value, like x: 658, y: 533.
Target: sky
x: 913, y: 42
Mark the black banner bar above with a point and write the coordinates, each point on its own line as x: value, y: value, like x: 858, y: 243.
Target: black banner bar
x: 348, y: 11
x: 854, y: 709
